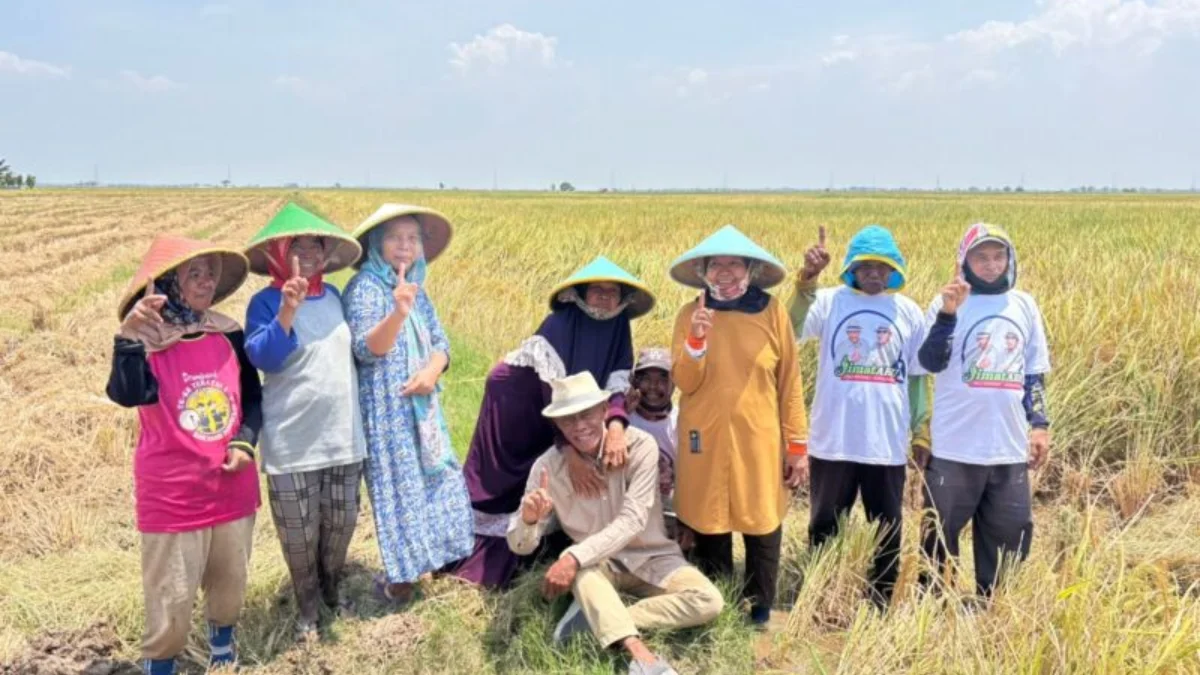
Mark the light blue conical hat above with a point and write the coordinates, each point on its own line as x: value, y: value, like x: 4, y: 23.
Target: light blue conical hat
x: 728, y: 241
x: 603, y: 269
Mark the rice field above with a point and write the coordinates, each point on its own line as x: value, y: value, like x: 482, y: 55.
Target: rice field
x: 1112, y: 586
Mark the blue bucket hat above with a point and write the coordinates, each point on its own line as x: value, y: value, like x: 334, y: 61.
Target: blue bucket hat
x: 874, y: 243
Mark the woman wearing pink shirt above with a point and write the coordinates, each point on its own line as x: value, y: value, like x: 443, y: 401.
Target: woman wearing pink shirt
x: 184, y: 368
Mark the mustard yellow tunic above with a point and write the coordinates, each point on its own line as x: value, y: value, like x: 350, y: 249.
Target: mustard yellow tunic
x: 741, y: 402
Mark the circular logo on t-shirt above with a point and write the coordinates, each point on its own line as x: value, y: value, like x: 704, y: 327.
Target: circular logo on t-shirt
x: 206, y: 411
x: 993, y: 354
x: 867, y: 346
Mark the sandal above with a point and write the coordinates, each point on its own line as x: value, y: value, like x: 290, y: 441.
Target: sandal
x: 384, y: 595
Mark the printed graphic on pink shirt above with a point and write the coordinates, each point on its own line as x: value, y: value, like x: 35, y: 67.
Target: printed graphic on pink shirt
x: 205, y: 408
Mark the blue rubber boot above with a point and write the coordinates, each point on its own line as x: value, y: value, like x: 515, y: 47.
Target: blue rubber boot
x: 158, y: 666
x: 222, y: 651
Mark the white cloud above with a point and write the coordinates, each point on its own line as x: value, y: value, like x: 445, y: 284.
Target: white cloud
x: 1068, y: 24
x: 981, y: 76
x: 505, y: 46
x: 216, y: 9
x: 912, y: 79
x: 155, y: 84
x: 11, y: 63
x: 996, y: 52
x: 838, y: 56
x: 293, y: 84
x: 724, y: 84
x: 304, y: 88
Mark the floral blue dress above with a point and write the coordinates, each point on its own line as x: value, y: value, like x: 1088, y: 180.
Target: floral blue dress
x: 423, y: 518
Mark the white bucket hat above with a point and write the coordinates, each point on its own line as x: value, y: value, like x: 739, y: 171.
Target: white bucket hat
x: 573, y: 394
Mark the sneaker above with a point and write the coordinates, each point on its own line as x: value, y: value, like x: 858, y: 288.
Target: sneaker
x: 383, y: 593
x: 659, y: 667
x: 574, y: 621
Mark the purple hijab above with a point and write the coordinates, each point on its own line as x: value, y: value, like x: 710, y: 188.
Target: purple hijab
x: 510, y: 433
x: 583, y: 343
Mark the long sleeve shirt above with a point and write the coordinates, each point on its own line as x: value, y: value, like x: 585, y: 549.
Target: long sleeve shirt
x: 624, y: 525
x: 742, y: 401
x: 195, y: 400
x: 311, y: 417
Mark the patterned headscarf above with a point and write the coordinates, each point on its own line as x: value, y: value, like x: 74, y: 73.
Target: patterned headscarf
x: 981, y: 233
x: 176, y: 311
x: 179, y: 319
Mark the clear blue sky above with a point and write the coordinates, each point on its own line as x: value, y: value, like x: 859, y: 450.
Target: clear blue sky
x: 666, y: 94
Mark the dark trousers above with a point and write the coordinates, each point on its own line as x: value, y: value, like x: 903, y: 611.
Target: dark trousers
x: 997, y: 501
x: 714, y: 556
x: 835, y: 487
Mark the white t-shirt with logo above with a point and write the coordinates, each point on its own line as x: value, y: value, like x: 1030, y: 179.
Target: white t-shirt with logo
x: 978, y: 410
x: 867, y: 351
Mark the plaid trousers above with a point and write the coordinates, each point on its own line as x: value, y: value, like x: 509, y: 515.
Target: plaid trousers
x: 315, y: 513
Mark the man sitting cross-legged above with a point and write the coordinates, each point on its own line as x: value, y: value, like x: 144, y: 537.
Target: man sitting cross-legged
x: 620, y: 543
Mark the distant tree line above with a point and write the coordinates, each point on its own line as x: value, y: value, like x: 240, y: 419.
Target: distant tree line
x: 8, y: 179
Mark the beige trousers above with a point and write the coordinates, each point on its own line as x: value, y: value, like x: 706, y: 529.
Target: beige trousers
x: 175, y: 565
x: 686, y: 599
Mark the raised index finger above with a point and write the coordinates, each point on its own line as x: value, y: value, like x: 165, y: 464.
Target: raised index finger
x: 545, y: 485
x: 821, y: 236
x: 295, y: 267
x: 400, y: 272
x: 702, y: 295
x: 151, y: 289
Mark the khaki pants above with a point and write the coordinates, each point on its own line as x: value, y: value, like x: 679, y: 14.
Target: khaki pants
x: 687, y: 599
x: 174, y: 565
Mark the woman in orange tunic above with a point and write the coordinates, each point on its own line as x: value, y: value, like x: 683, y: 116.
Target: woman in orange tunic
x: 742, y: 425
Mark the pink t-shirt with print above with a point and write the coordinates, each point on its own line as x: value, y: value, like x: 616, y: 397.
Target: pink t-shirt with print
x: 177, y: 472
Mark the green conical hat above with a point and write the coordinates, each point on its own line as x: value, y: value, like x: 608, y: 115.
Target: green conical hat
x: 603, y: 269
x: 728, y: 241
x: 294, y: 221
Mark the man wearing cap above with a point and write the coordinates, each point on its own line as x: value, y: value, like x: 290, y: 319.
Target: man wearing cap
x: 990, y: 425
x: 866, y: 414
x: 854, y: 334
x: 983, y: 350
x: 741, y: 411
x: 650, y: 409
x: 619, y: 541
x: 1014, y: 359
x: 882, y: 355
